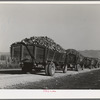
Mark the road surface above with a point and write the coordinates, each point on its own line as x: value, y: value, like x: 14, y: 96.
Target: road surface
x: 14, y: 79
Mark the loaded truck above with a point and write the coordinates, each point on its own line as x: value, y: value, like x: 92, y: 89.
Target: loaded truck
x: 74, y: 60
x: 90, y: 62
x: 39, y: 53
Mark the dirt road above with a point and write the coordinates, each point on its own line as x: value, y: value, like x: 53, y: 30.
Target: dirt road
x: 10, y: 79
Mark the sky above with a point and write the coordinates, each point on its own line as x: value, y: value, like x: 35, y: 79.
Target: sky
x: 74, y: 26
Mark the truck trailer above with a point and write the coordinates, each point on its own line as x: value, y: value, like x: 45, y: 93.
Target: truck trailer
x: 74, y: 60
x: 39, y: 53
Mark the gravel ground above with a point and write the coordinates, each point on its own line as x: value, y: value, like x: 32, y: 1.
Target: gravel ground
x: 14, y: 79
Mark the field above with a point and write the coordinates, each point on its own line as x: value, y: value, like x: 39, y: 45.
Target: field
x: 5, y: 61
x: 8, y: 65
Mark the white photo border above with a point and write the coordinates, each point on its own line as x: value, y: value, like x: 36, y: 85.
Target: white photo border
x: 49, y: 94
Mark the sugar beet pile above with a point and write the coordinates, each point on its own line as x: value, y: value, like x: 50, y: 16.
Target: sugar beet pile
x: 44, y: 41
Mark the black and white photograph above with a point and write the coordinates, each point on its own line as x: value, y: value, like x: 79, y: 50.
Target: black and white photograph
x: 49, y: 46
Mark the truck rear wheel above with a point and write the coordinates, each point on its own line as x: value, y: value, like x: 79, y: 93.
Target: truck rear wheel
x: 78, y: 67
x: 50, y: 69
x: 65, y: 69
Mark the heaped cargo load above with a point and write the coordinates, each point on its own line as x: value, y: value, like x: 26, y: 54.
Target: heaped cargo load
x: 90, y: 62
x: 74, y: 59
x: 39, y: 53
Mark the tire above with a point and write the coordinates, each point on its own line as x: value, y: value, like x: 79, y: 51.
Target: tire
x: 51, y: 69
x: 83, y: 67
x: 78, y: 67
x: 65, y: 69
x: 71, y: 66
x: 47, y: 69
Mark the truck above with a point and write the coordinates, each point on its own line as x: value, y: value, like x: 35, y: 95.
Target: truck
x: 39, y: 53
x: 90, y: 62
x: 74, y: 60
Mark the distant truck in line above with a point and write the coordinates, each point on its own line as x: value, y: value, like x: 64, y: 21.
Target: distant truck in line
x: 74, y: 60
x: 78, y: 62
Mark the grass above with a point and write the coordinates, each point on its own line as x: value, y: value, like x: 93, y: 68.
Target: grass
x: 8, y: 65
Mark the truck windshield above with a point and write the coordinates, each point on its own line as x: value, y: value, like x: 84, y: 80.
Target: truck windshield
x: 27, y: 52
x: 16, y: 53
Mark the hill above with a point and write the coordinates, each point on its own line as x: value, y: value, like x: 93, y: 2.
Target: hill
x: 91, y: 53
